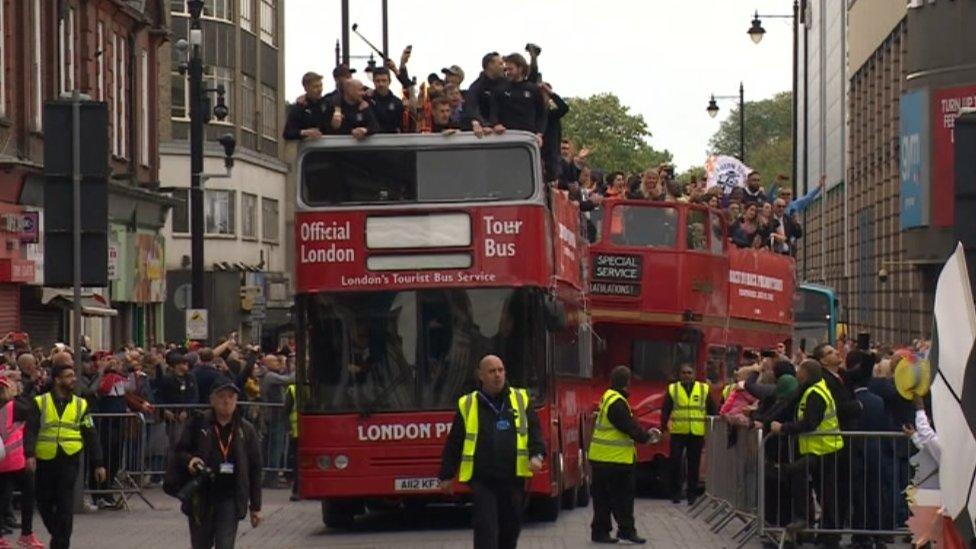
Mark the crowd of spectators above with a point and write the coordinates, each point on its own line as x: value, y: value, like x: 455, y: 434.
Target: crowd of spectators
x: 509, y: 94
x: 162, y: 385
x: 858, y: 485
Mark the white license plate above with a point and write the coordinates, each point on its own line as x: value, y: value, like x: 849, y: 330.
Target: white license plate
x: 415, y: 484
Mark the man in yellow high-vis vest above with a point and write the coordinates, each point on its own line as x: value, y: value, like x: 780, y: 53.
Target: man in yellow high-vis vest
x: 495, y: 445
x: 291, y: 409
x: 686, y: 405
x: 65, y: 430
x: 817, y: 432
x: 612, y: 458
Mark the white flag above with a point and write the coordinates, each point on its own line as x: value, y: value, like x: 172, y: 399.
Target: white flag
x: 953, y: 393
x: 727, y: 172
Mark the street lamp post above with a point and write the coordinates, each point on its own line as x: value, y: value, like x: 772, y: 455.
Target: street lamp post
x: 713, y: 109
x: 199, y: 115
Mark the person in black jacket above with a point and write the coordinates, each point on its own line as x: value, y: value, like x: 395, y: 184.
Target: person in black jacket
x: 351, y: 114
x: 225, y: 447
x: 308, y: 118
x: 614, y: 484
x: 556, y: 109
x: 518, y: 104
x: 497, y: 485
x: 477, y: 101
x: 387, y: 107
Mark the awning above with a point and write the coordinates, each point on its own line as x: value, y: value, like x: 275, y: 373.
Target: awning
x: 92, y: 304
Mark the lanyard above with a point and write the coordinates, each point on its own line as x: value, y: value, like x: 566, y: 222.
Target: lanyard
x: 224, y: 450
x: 498, y: 411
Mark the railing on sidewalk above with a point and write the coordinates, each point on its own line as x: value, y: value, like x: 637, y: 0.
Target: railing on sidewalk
x: 856, y: 490
x: 762, y: 483
x: 135, y: 447
x: 731, y: 479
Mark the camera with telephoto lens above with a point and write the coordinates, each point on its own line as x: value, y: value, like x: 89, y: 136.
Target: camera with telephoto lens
x: 533, y: 49
x: 204, y: 474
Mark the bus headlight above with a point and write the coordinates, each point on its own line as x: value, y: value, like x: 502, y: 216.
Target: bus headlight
x: 341, y: 461
x: 324, y: 462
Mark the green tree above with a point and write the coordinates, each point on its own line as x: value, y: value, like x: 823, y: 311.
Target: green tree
x: 617, y: 138
x: 698, y: 172
x: 769, y: 136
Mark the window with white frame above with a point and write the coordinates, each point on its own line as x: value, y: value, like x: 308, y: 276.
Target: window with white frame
x: 181, y: 211
x: 144, y: 120
x: 178, y: 87
x: 269, y: 112
x: 248, y: 102
x: 121, y: 93
x: 269, y: 219
x: 66, y: 48
x: 218, y: 212
x: 249, y: 215
x: 100, y: 53
x: 247, y: 15
x: 113, y: 107
x: 177, y: 6
x: 215, y: 76
x: 268, y: 21
x: 36, y: 82
x: 218, y: 9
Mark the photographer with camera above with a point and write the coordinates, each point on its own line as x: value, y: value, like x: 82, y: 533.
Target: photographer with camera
x: 215, y: 471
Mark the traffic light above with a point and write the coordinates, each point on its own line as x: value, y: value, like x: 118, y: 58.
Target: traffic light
x: 59, y: 193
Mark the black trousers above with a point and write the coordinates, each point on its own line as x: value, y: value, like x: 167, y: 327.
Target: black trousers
x: 613, y: 490
x: 23, y: 481
x: 820, y: 473
x: 55, y: 497
x: 217, y: 527
x: 685, y: 449
x: 497, y: 513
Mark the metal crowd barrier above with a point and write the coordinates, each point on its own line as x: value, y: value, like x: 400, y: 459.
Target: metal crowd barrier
x: 269, y: 420
x: 122, y: 438
x: 731, y: 480
x: 761, y: 482
x: 856, y: 491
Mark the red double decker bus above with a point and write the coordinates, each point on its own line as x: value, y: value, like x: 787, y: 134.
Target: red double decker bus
x: 417, y: 255
x: 668, y: 289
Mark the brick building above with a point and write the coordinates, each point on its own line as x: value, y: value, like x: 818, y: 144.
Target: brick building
x: 106, y: 49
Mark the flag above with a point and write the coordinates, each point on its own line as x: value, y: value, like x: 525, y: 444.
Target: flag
x: 727, y: 172
x: 954, y: 391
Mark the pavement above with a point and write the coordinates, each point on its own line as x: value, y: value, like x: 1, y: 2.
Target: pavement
x: 299, y: 524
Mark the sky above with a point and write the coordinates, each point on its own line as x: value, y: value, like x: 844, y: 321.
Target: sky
x: 663, y: 58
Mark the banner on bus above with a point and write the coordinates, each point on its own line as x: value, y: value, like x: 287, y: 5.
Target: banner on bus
x: 569, y: 245
x: 761, y: 286
x: 472, y: 247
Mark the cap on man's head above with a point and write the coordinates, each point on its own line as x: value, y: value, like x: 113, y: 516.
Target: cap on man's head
x: 175, y: 358
x: 342, y: 70
x: 224, y: 384
x: 432, y: 77
x: 455, y: 70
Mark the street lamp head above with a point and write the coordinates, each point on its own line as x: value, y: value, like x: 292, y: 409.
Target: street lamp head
x: 756, y: 31
x: 220, y: 110
x: 195, y: 8
x: 712, y: 107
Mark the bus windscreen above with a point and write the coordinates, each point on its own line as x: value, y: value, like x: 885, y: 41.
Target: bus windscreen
x: 390, y: 175
x: 416, y: 350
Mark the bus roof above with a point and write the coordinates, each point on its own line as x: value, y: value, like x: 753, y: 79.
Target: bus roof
x: 814, y: 287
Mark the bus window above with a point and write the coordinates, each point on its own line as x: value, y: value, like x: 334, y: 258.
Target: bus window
x: 717, y: 242
x: 732, y: 355
x: 660, y: 360
x: 715, y: 364
x: 652, y: 227
x: 697, y: 238
x: 416, y: 350
x: 379, y: 176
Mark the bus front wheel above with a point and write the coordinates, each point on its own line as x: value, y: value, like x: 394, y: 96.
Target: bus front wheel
x: 341, y: 513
